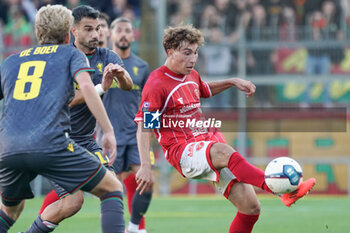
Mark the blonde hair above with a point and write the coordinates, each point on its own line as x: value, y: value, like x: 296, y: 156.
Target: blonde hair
x: 174, y: 36
x: 52, y: 24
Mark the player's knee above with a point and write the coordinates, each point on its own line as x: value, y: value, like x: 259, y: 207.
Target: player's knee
x: 255, y: 208
x: 109, y: 183
x: 72, y: 204
x: 251, y: 208
x: 220, y: 154
x: 76, y: 205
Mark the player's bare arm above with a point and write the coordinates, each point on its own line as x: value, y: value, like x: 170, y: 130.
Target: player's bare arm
x: 78, y: 99
x: 217, y: 87
x: 144, y: 176
x: 96, y: 107
x: 120, y: 75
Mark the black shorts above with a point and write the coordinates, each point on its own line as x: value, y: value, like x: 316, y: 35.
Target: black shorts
x: 72, y: 168
x: 127, y: 156
x: 95, y: 151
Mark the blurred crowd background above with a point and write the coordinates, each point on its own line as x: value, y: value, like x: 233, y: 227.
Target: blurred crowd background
x: 297, y: 52
x: 243, y: 37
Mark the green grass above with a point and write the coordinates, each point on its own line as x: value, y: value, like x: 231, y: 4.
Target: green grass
x: 213, y: 214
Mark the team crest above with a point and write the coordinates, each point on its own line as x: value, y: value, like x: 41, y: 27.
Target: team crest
x: 99, y: 67
x: 135, y: 69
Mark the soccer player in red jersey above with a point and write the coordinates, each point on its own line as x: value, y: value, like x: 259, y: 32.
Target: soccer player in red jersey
x: 170, y: 105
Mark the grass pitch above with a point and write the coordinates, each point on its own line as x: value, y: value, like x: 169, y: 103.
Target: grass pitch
x: 213, y: 214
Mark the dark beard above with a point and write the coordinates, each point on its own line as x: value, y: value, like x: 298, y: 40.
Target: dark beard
x: 122, y: 47
x: 89, y: 46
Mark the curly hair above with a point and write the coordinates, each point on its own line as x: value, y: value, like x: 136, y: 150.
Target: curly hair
x: 174, y: 36
x: 52, y: 24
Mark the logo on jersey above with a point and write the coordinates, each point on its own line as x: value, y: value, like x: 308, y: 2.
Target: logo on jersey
x: 151, y: 120
x: 99, y: 67
x: 135, y: 69
x: 70, y: 147
x: 145, y: 106
x: 180, y: 100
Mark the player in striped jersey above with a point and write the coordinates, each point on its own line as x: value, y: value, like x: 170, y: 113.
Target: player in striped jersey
x: 171, y: 105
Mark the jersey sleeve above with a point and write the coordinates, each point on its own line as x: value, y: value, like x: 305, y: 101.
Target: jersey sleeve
x: 151, y: 100
x: 204, y: 88
x: 79, y: 63
x: 114, y: 58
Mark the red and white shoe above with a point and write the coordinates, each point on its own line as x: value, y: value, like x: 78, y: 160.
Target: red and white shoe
x: 290, y: 198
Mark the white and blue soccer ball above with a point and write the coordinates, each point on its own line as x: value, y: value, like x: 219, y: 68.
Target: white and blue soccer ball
x: 283, y: 175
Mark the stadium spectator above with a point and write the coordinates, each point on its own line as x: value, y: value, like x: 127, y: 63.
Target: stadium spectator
x: 258, y: 60
x: 116, y: 8
x: 183, y: 15
x: 318, y: 60
x: 305, y: 9
x: 210, y: 18
x: 288, y: 28
x: 17, y: 30
x: 217, y: 61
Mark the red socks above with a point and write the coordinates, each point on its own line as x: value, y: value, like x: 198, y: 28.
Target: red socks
x: 130, y: 186
x: 50, y: 198
x: 246, y: 172
x: 243, y: 223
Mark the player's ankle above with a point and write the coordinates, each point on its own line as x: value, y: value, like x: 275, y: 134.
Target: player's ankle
x: 132, y: 227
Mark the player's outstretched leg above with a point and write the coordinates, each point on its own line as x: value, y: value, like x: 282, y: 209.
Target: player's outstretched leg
x: 130, y: 187
x: 223, y: 155
x: 290, y: 198
x: 244, y: 198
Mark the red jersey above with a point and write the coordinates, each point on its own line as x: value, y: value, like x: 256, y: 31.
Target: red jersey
x: 177, y: 98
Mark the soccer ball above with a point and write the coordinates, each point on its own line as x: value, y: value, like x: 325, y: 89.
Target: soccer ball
x: 283, y: 175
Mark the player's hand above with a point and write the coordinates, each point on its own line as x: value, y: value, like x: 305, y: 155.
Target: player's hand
x: 107, y: 78
x: 144, y: 179
x: 109, y: 144
x: 115, y: 70
x: 244, y: 85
